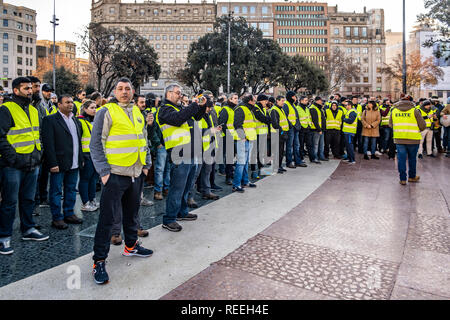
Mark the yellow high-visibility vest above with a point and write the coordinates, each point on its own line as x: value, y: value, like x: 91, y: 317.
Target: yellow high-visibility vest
x: 291, y: 116
x: 350, y: 127
x: 332, y: 122
x: 24, y: 136
x: 78, y: 105
x: 249, y: 125
x: 125, y: 143
x: 230, y: 123
x: 174, y: 136
x: 405, y: 125
x: 305, y: 117
x: 261, y: 127
x: 86, y: 136
x: 284, y: 124
x: 319, y: 115
x: 428, y: 121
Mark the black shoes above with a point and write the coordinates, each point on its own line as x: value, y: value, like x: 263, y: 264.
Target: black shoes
x: 99, y: 272
x: 35, y: 236
x: 229, y: 182
x: 239, y: 189
x: 375, y: 157
x: 216, y: 188
x: 302, y: 165
x: 366, y: 157
x: 60, y: 225
x: 137, y: 251
x: 174, y: 227
x: 189, y: 217
x: 73, y: 220
x: 210, y: 196
x: 250, y: 185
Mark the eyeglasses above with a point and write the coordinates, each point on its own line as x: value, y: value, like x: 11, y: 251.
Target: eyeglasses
x: 176, y: 92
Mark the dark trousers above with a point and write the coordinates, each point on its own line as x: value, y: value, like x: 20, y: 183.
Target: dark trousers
x: 349, y: 146
x: 437, y: 138
x: 333, y: 142
x: 17, y: 187
x: 359, y: 138
x: 41, y: 190
x: 282, y: 144
x: 204, y: 182
x: 88, y: 181
x: 58, y: 181
x: 305, y: 138
x: 229, y: 169
x: 120, y: 195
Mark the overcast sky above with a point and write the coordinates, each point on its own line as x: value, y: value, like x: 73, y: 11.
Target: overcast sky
x: 74, y: 15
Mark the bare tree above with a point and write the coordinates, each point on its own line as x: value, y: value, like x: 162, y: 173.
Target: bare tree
x: 339, y: 67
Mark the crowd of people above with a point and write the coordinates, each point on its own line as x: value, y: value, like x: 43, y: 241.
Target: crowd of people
x: 53, y: 147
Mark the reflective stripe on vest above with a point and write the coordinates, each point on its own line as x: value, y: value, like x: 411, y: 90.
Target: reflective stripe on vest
x: 125, y: 143
x: 384, y: 120
x: 319, y: 115
x: 359, y: 111
x: 284, y: 124
x: 230, y: 123
x: 174, y: 136
x: 291, y: 116
x: 24, y: 136
x: 78, y: 105
x: 249, y: 124
x: 350, y: 128
x: 86, y: 137
x: 332, y: 122
x: 48, y: 113
x: 305, y: 116
x: 261, y: 127
x: 405, y: 125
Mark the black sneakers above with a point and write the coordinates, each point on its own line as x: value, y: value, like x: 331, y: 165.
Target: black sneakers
x: 99, y: 272
x: 35, y: 236
x: 5, y: 247
x: 137, y: 251
x: 174, y: 227
x: 189, y: 217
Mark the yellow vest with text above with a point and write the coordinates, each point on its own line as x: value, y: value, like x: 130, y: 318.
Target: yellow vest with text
x: 24, y: 136
x: 125, y: 143
x: 405, y: 125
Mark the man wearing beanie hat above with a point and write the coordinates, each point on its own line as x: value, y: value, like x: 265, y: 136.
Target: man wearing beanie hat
x: 428, y: 115
x: 262, y: 127
x: 292, y: 143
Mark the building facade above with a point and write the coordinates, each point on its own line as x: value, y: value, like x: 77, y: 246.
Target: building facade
x: 258, y: 14
x: 302, y: 28
x: 18, y: 32
x: 169, y: 27
x: 361, y: 37
x: 65, y: 48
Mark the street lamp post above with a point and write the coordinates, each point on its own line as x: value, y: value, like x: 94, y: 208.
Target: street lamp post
x: 229, y: 53
x: 54, y: 22
x: 404, y: 47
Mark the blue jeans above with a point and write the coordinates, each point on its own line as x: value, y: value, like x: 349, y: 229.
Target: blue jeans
x: 318, y: 146
x: 407, y: 151
x: 17, y: 186
x: 243, y: 148
x: 348, y: 138
x: 182, y: 178
x: 88, y: 181
x: 67, y: 180
x: 293, y: 147
x: 162, y: 170
x: 373, y: 145
x: 386, y: 136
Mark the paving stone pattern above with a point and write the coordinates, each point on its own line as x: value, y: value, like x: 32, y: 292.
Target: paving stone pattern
x: 431, y: 233
x: 322, y: 270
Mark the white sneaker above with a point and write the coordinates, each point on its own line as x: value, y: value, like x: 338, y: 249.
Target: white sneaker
x: 146, y: 203
x: 369, y: 153
x: 88, y: 207
x: 95, y: 204
x: 377, y: 153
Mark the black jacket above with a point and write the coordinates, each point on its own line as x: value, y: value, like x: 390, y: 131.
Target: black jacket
x: 58, y: 144
x: 9, y: 157
x: 315, y: 118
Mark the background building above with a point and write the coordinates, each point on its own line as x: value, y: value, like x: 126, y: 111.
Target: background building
x: 18, y: 35
x: 302, y: 28
x: 394, y: 47
x: 361, y: 36
x: 258, y: 14
x: 169, y: 27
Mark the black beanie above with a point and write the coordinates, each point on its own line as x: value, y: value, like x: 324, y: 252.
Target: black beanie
x: 262, y: 97
x: 272, y: 100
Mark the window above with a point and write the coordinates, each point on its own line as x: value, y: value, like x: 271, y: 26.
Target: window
x: 377, y: 32
x: 347, y: 31
x: 5, y: 23
x: 195, y: 11
x: 154, y: 84
x: 379, y: 80
x: 254, y: 25
x: 236, y: 9
x: 244, y: 10
x: 366, y: 80
x: 5, y: 36
x: 336, y: 31
x: 349, y: 50
x: 5, y: 47
x: 336, y: 40
x: 378, y: 60
x: 378, y: 50
x: 364, y: 32
x: 5, y: 11
x: 112, y: 10
x: 365, y: 50
x: 357, y: 50
x: 224, y: 10
x: 31, y: 62
x: 356, y: 31
x: 264, y: 10
x: 19, y: 49
x: 252, y: 10
x: 5, y: 72
x: 155, y: 12
x: 19, y: 72
x: 169, y: 12
x: 5, y: 59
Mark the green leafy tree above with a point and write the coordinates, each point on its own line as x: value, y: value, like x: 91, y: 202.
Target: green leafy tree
x: 437, y: 18
x: 255, y: 61
x: 67, y: 82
